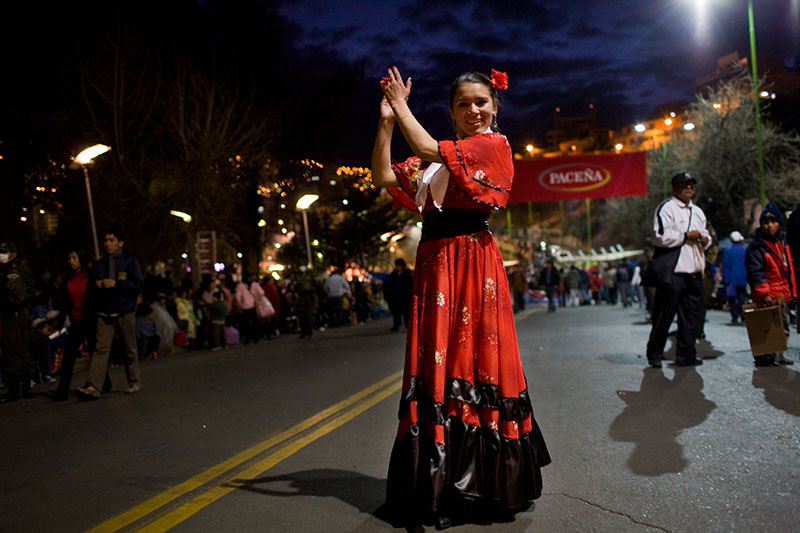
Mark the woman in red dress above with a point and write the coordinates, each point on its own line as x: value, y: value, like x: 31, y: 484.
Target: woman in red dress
x: 467, y: 439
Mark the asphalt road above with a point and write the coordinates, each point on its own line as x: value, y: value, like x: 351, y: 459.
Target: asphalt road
x: 292, y: 435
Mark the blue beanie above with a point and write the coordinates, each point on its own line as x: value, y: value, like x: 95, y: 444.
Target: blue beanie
x: 772, y: 210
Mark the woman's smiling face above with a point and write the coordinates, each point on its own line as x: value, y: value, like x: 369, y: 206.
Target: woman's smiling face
x: 472, y: 109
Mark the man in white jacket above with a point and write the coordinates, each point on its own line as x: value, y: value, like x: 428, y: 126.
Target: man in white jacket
x: 680, y: 238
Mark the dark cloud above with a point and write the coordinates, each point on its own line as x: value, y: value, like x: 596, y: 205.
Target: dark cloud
x: 625, y: 57
x: 585, y: 30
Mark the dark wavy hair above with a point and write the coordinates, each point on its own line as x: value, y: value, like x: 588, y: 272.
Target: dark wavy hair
x: 473, y: 77
x: 83, y: 259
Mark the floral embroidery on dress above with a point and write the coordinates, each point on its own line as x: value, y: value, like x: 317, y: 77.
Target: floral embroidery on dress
x: 490, y: 288
x: 465, y: 410
x: 491, y: 339
x: 440, y: 301
x: 465, y: 316
x: 421, y: 352
x: 484, y: 377
x: 474, y: 236
x: 493, y: 425
x: 439, y: 357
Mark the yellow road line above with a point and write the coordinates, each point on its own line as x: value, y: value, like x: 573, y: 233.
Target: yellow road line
x: 160, y: 500
x: 224, y: 487
x: 528, y: 312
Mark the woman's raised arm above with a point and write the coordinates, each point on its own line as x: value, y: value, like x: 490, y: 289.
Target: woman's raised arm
x: 396, y: 93
x: 382, y: 175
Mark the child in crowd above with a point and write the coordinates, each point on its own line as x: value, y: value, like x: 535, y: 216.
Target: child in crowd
x: 147, y: 340
x: 39, y: 349
x: 770, y: 272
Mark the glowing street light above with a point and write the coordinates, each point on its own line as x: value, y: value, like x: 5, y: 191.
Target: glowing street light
x: 186, y: 217
x: 306, y: 200
x: 303, y: 204
x: 86, y: 156
x: 640, y: 128
x: 83, y: 160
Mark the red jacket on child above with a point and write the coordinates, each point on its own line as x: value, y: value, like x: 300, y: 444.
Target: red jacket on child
x: 770, y: 271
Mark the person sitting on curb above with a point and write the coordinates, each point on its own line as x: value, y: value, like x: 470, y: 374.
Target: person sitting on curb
x: 770, y: 273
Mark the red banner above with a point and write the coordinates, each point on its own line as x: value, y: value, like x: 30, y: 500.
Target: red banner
x: 577, y: 177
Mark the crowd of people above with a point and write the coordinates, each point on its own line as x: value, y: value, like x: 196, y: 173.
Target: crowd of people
x: 114, y: 312
x: 573, y: 285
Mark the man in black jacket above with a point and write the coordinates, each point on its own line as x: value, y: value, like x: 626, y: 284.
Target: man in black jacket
x: 119, y: 281
x: 16, y: 285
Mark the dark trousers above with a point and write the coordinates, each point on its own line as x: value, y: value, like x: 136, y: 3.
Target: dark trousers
x: 550, y: 290
x: 684, y: 296
x: 79, y: 332
x: 147, y: 345
x: 519, y: 301
x: 336, y: 311
x: 736, y: 303
x: 248, y: 327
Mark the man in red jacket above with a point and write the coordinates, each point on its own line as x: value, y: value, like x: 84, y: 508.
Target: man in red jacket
x: 770, y: 272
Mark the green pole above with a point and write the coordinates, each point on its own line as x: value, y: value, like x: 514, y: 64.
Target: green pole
x: 589, y: 223
x: 508, y: 219
x: 759, y: 147
x: 664, y: 157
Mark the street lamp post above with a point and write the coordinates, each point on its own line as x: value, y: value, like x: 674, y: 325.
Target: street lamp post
x: 759, y: 147
x: 303, y: 204
x: 756, y: 105
x: 84, y: 159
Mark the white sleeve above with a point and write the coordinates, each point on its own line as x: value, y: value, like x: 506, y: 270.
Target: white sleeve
x: 665, y: 227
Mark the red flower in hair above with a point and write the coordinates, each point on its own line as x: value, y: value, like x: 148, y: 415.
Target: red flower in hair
x: 499, y: 80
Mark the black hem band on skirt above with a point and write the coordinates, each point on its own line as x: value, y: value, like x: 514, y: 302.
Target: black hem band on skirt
x: 474, y: 464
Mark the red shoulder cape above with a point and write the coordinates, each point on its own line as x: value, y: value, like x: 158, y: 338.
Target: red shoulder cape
x: 481, y: 166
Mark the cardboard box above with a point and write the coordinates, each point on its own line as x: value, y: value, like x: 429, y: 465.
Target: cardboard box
x: 765, y: 329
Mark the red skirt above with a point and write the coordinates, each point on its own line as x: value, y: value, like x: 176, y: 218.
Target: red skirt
x: 467, y: 429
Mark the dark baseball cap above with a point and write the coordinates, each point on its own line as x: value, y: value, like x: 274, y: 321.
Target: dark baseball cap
x: 8, y: 247
x: 682, y: 178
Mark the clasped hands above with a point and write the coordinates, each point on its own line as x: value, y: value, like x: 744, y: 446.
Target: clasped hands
x: 696, y: 236
x: 395, y: 94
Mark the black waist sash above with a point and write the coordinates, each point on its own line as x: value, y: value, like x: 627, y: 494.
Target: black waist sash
x: 452, y: 223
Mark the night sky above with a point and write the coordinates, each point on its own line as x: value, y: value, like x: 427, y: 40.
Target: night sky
x: 624, y: 57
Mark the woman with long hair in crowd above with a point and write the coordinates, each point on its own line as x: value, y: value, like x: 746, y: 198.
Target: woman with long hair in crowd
x: 468, y: 447
x: 76, y: 305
